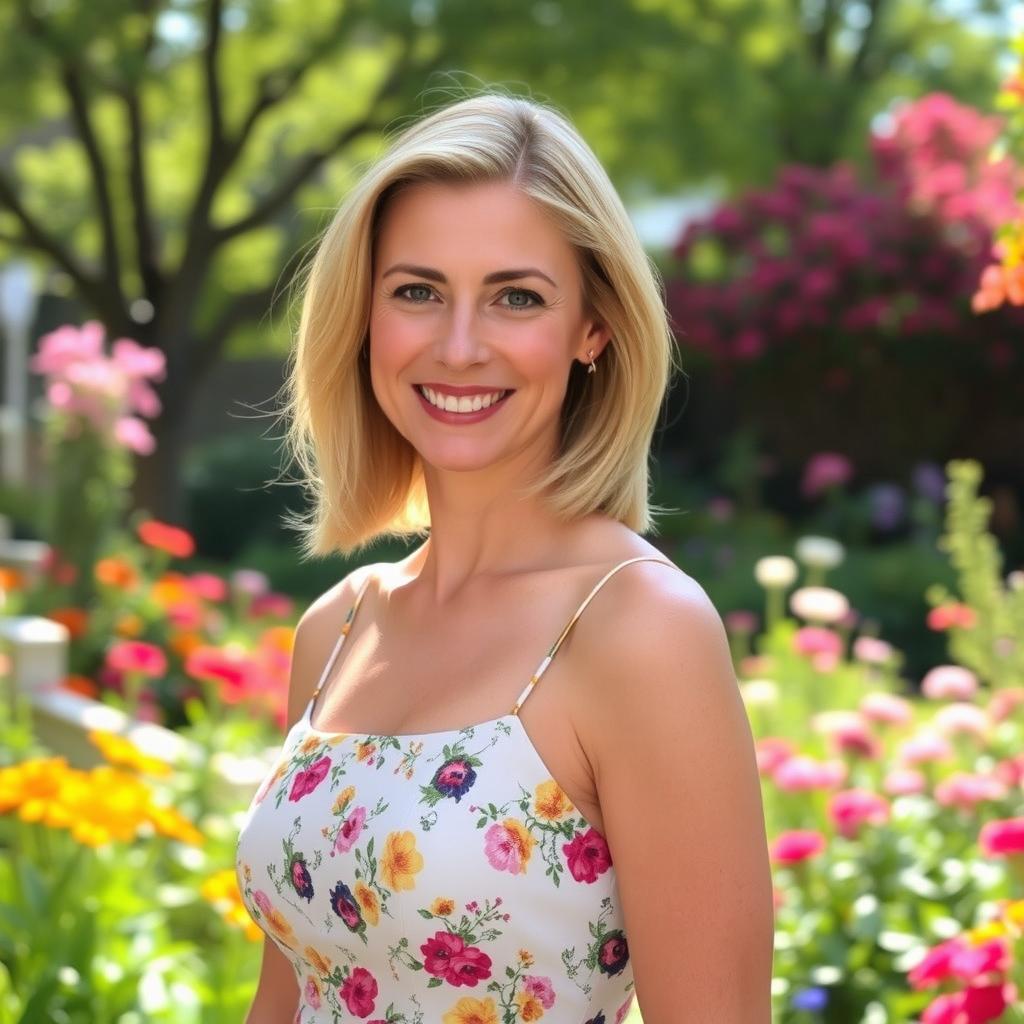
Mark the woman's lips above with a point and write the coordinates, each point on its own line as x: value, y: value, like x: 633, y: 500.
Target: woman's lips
x: 461, y: 417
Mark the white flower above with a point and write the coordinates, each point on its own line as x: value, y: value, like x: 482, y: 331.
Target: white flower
x: 775, y: 571
x: 820, y: 552
x: 819, y: 604
x: 759, y: 692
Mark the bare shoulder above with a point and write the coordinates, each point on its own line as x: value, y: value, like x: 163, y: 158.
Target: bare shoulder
x: 316, y: 634
x: 676, y: 776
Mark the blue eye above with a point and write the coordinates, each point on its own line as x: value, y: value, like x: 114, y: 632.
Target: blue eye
x: 406, y: 291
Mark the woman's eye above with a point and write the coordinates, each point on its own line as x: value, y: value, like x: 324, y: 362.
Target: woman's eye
x: 403, y: 290
x: 533, y: 297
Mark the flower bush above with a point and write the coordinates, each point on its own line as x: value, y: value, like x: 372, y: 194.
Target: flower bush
x: 851, y: 293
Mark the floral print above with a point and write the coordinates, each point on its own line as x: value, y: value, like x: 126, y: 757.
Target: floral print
x: 444, y: 878
x: 437, y: 879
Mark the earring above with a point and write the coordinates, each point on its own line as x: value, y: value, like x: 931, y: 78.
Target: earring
x: 592, y: 368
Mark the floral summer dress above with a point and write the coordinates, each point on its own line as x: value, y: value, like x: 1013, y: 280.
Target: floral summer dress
x: 438, y: 878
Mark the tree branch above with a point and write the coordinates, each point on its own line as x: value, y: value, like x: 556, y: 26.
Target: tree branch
x: 858, y: 66
x: 308, y: 165
x: 74, y: 87
x: 105, y: 300
x: 214, y: 99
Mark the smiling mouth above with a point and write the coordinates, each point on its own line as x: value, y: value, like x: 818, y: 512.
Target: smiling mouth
x: 463, y: 403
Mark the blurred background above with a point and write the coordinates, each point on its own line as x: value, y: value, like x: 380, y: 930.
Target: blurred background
x: 831, y: 190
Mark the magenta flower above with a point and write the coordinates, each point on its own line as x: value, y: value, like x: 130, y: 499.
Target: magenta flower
x: 359, y: 990
x: 137, y: 656
x: 851, y: 809
x: 587, y: 855
x: 541, y: 989
x: 350, y: 830
x: 307, y: 780
x: 797, y: 845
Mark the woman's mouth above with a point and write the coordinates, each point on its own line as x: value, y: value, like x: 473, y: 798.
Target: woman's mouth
x: 448, y: 408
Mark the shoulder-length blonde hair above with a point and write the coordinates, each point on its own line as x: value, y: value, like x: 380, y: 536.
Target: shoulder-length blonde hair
x: 365, y: 479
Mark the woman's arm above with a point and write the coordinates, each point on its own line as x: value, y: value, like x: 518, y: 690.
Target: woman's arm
x: 681, y: 801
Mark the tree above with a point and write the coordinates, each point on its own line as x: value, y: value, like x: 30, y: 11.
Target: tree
x: 173, y: 159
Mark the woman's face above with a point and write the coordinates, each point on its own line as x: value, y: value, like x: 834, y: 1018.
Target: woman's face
x: 475, y: 294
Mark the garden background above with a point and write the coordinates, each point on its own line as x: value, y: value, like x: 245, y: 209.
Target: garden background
x: 831, y: 190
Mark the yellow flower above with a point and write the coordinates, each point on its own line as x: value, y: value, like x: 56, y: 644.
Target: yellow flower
x: 530, y: 1007
x: 365, y: 750
x: 121, y: 751
x: 342, y: 799
x: 367, y: 899
x: 280, y: 927
x: 308, y: 744
x: 526, y: 958
x: 519, y: 834
x: 400, y: 861
x: 983, y: 932
x: 442, y: 906
x: 128, y: 625
x: 471, y: 1011
x: 318, y: 960
x: 221, y: 890
x: 551, y: 803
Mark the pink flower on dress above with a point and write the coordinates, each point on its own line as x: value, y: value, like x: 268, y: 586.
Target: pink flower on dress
x: 312, y: 993
x: 307, y: 780
x: 447, y: 956
x: 350, y: 830
x: 508, y: 845
x: 262, y: 900
x: 541, y: 989
x: 587, y: 856
x: 359, y: 991
x: 620, y: 1013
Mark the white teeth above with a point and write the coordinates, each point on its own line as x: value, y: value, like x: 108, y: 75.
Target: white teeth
x: 464, y: 404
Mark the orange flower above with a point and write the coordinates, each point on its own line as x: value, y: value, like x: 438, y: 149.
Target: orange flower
x: 10, y: 579
x: 318, y: 960
x: 368, y: 901
x: 551, y: 802
x: 530, y: 1007
x: 165, y: 537
x: 75, y: 620
x: 955, y: 613
x: 116, y: 572
x: 184, y: 643
x: 81, y: 684
x: 442, y: 906
x: 129, y: 625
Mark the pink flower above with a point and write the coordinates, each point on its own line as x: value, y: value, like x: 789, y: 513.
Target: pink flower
x: 923, y: 747
x: 975, y: 1004
x: 847, y: 733
x: 67, y: 345
x: 137, y: 656
x: 208, y: 586
x: 541, y: 989
x: 962, y: 719
x: 587, y: 855
x: 1003, y: 702
x: 872, y: 651
x: 350, y: 830
x: 231, y: 668
x: 623, y: 1010
x: 797, y: 845
x: 936, y: 965
x: 802, y: 773
x: 446, y: 956
x: 949, y: 682
x: 851, y: 809
x: 262, y: 900
x: 1002, y: 837
x: 886, y: 709
x: 904, y: 782
x: 132, y: 433
x: 825, y: 471
x: 359, y: 991
x: 771, y: 752
x: 306, y: 781
x: 250, y: 581
x: 312, y: 993
x: 507, y: 848
x: 966, y: 791
x: 278, y: 605
x: 817, y: 640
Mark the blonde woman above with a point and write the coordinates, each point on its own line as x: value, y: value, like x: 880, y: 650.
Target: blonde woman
x: 528, y: 787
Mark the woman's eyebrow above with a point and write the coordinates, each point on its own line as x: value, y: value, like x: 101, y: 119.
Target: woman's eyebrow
x: 496, y: 278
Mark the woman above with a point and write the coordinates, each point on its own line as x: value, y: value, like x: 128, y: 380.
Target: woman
x: 483, y: 351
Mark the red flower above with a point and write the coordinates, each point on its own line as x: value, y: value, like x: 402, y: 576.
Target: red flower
x: 137, y: 656
x: 359, y: 991
x: 797, y: 845
x: 164, y: 537
x: 999, y: 838
x: 587, y: 856
x: 447, y: 956
x: 946, y: 616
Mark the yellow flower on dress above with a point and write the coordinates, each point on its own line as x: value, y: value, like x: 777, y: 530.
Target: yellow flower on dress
x: 277, y: 924
x: 442, y: 906
x: 400, y: 861
x: 530, y: 1007
x: 342, y: 799
x: 526, y: 958
x: 318, y: 960
x: 365, y: 750
x: 551, y: 803
x: 367, y: 899
x: 472, y: 1011
x: 308, y: 744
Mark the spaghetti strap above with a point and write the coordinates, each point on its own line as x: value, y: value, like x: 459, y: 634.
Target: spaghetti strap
x: 543, y: 666
x: 345, y: 627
